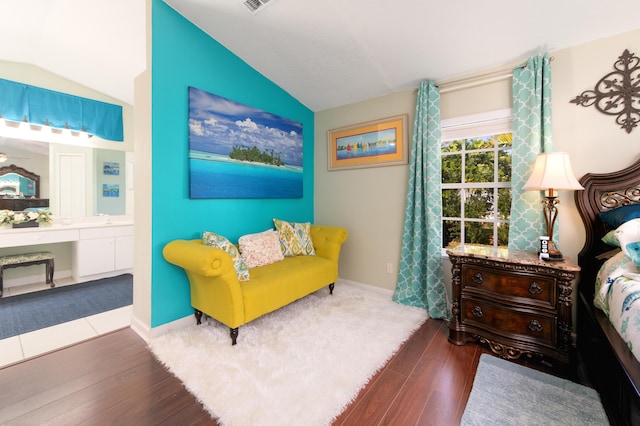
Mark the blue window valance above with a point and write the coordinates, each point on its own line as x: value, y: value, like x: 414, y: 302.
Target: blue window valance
x: 60, y: 110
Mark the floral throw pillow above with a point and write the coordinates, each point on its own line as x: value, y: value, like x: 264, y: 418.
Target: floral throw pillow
x: 295, y: 238
x: 215, y: 240
x: 260, y: 249
x: 628, y: 234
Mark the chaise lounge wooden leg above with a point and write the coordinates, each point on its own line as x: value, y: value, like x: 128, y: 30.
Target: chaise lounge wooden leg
x: 233, y: 332
x: 331, y: 288
x: 198, y: 315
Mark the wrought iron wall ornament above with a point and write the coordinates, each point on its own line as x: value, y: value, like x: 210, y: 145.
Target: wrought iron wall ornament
x: 617, y: 93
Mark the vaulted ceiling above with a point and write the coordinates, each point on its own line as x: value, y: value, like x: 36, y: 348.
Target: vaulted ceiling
x: 324, y: 53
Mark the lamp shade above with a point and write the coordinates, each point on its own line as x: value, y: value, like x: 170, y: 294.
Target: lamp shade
x: 552, y: 170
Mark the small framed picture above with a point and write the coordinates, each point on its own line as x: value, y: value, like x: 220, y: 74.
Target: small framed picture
x: 375, y: 143
x: 109, y: 168
x: 110, y: 190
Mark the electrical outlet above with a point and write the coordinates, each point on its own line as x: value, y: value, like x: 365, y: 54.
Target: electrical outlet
x: 389, y: 268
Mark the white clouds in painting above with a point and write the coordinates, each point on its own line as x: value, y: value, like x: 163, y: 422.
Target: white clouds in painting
x: 217, y: 124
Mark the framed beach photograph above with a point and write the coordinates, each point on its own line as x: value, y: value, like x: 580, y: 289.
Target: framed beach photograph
x: 238, y: 151
x: 375, y: 143
x: 109, y: 168
x: 110, y: 190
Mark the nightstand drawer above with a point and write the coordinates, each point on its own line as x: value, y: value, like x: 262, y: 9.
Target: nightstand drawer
x: 509, y: 322
x: 540, y: 290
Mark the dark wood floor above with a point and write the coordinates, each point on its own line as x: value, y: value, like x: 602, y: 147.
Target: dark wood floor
x: 114, y: 379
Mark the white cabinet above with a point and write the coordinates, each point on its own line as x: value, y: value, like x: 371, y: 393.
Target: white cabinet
x: 102, y: 251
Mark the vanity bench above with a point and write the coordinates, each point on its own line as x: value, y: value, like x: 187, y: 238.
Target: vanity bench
x: 28, y: 259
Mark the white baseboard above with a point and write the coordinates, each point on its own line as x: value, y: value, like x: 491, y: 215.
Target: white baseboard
x: 94, y: 277
x: 148, y: 333
x: 36, y: 278
x: 140, y: 328
x: 380, y: 290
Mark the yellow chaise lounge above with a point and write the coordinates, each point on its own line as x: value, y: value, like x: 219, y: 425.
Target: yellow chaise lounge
x: 217, y: 292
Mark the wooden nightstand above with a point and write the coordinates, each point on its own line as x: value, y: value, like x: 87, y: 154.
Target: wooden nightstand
x: 515, y: 303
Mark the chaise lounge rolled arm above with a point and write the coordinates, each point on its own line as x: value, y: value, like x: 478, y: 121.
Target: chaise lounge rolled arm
x: 217, y: 292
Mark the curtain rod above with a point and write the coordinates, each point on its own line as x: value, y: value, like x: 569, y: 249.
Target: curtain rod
x: 504, y: 73
x: 479, y: 80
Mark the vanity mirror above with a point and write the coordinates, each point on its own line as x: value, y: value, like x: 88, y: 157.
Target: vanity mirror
x: 20, y: 189
x: 72, y: 180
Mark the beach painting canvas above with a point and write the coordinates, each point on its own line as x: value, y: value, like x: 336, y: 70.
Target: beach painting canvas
x: 237, y: 151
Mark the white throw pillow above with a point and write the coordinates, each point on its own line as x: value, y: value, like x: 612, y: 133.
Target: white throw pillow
x: 628, y: 234
x: 260, y: 249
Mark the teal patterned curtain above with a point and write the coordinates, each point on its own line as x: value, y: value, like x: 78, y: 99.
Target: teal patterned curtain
x: 531, y: 136
x: 420, y: 277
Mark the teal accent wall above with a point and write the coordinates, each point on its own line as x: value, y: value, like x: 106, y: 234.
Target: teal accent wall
x: 183, y: 56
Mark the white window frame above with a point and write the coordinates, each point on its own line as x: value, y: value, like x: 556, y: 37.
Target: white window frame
x: 470, y: 126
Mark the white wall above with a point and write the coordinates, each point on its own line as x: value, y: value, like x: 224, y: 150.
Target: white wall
x: 370, y: 202
x: 141, y: 322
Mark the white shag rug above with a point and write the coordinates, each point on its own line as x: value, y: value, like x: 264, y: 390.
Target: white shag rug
x: 300, y: 365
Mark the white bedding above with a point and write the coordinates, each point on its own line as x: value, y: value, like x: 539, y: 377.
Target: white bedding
x: 617, y: 293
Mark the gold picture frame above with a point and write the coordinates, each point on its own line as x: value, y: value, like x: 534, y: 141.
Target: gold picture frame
x: 375, y: 143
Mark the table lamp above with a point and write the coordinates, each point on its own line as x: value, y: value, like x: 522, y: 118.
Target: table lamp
x: 552, y: 171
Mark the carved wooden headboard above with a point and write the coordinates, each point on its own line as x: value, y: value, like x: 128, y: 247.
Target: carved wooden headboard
x: 602, y: 192
x: 24, y: 173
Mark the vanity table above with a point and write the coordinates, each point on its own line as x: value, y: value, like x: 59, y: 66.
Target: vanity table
x: 99, y: 249
x: 101, y: 246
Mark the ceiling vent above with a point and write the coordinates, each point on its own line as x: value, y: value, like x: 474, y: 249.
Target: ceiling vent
x: 256, y: 6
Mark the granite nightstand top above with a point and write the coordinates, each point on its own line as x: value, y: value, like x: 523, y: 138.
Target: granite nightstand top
x: 504, y: 255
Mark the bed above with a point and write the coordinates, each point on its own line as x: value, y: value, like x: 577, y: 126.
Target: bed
x: 607, y: 361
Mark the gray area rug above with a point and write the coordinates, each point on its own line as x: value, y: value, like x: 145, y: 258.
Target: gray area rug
x: 32, y: 311
x: 505, y: 393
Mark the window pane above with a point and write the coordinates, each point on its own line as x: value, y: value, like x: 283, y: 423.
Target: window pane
x: 503, y: 234
x: 479, y: 143
x: 451, y: 203
x: 504, y: 140
x: 504, y: 165
x: 450, y: 233
x: 479, y: 167
x: 504, y: 203
x: 452, y: 146
x: 451, y: 168
x: 478, y: 233
x: 478, y: 203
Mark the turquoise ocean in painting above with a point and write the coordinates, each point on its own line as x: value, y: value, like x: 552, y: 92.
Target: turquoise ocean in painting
x: 218, y: 176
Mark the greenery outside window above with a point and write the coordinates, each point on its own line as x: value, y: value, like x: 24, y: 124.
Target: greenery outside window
x: 476, y: 180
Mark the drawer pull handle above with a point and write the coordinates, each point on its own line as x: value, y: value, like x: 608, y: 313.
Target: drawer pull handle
x: 477, y: 312
x: 535, y: 326
x: 534, y: 288
x: 477, y: 278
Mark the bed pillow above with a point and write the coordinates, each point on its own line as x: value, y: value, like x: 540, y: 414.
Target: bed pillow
x: 260, y: 249
x: 611, y: 239
x: 628, y: 234
x: 215, y: 240
x: 295, y: 238
x: 620, y: 215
